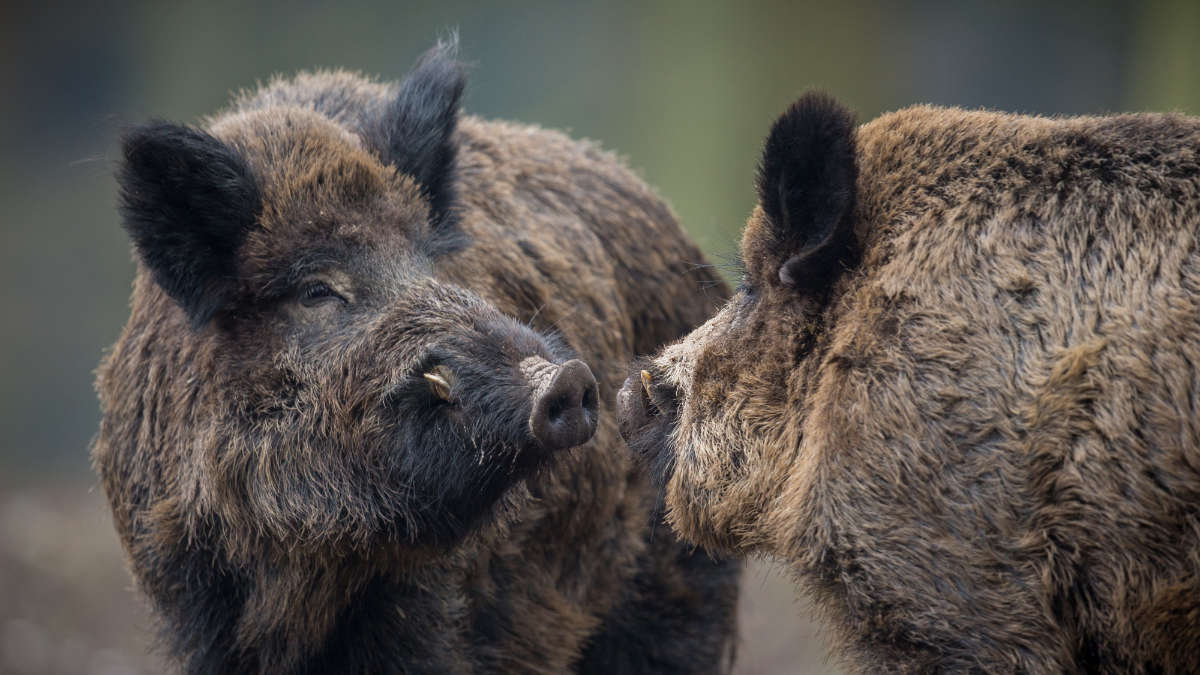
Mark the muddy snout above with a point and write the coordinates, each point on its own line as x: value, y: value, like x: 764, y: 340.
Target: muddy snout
x: 565, y: 400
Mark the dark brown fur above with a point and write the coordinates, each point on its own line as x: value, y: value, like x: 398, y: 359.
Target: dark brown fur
x: 246, y: 454
x: 977, y: 441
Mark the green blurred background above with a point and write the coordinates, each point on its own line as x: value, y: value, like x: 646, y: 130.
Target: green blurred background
x: 684, y: 90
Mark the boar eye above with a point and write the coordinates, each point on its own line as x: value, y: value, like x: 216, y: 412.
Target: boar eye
x: 314, y: 293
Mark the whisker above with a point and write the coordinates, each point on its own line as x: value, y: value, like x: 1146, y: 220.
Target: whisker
x: 535, y: 315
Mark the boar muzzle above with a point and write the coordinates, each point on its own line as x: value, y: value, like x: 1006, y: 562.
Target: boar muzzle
x: 643, y: 400
x: 565, y: 401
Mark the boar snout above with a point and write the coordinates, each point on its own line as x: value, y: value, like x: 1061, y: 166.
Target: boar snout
x: 565, y: 402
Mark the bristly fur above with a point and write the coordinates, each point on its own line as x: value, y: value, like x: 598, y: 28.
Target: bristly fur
x: 187, y: 201
x: 292, y: 495
x: 978, y: 450
x: 415, y: 133
x: 806, y: 184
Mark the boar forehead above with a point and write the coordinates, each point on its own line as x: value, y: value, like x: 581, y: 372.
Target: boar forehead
x: 320, y: 187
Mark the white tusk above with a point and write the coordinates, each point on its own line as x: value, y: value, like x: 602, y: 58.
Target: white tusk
x: 441, y: 381
x: 647, y: 383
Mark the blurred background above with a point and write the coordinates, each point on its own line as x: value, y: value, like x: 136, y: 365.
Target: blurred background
x: 684, y: 90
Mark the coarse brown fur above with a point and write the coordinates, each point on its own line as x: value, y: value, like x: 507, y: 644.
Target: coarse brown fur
x: 291, y: 494
x: 974, y: 429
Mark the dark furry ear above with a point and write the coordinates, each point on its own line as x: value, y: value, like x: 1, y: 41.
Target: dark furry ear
x: 417, y: 129
x: 806, y: 186
x: 187, y: 200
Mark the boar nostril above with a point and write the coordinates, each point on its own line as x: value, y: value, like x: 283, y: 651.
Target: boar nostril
x: 564, y: 412
x: 557, y: 407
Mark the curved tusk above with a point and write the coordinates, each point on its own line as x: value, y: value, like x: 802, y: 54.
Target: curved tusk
x: 647, y: 382
x: 441, y: 381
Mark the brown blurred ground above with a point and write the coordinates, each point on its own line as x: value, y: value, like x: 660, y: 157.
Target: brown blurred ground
x: 777, y: 635
x: 67, y: 605
x: 66, y: 602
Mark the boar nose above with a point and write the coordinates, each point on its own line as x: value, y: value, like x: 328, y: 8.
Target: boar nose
x: 564, y: 412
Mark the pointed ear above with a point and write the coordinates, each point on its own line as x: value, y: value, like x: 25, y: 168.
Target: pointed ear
x: 187, y: 200
x: 416, y: 132
x: 806, y: 186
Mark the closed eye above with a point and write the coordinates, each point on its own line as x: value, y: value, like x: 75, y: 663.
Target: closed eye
x: 315, y: 293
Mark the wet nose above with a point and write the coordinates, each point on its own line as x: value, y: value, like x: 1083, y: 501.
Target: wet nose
x: 564, y: 412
